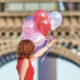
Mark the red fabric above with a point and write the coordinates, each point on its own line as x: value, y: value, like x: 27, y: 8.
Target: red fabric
x: 30, y: 71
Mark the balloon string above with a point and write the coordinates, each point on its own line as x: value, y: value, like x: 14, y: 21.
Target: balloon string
x: 50, y: 34
x: 46, y: 54
x: 47, y: 50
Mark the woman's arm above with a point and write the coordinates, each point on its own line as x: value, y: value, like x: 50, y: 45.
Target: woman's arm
x: 23, y: 69
x: 43, y: 50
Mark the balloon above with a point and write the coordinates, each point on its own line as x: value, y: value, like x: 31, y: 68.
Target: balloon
x: 29, y: 18
x: 53, y: 24
x: 37, y: 38
x: 44, y: 26
x: 39, y: 47
x: 29, y: 28
x: 55, y: 19
x: 23, y: 36
x: 40, y: 14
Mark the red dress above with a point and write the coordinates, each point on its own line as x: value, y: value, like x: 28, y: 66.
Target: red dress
x: 30, y: 71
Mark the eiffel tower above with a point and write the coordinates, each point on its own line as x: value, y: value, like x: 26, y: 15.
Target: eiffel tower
x: 13, y: 14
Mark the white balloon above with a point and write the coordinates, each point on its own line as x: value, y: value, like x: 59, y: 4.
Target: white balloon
x: 55, y: 19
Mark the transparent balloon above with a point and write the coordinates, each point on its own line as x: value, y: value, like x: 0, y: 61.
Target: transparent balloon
x: 38, y: 39
x: 55, y: 19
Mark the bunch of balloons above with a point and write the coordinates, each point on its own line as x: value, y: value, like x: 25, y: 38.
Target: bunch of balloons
x: 37, y: 27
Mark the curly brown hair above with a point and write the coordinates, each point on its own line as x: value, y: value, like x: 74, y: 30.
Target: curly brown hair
x: 25, y: 49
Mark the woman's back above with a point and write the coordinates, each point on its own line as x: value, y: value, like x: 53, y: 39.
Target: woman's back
x: 30, y: 71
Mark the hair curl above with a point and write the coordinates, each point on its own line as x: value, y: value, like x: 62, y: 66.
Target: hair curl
x: 25, y: 49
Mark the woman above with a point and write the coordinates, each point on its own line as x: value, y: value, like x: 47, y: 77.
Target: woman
x: 25, y: 55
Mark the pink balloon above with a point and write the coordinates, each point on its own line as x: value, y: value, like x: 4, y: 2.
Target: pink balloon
x: 29, y: 28
x: 23, y: 36
x: 38, y: 39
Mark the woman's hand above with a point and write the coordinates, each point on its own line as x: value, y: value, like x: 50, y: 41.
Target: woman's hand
x: 53, y: 42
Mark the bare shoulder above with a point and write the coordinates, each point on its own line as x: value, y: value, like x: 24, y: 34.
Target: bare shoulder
x: 25, y: 61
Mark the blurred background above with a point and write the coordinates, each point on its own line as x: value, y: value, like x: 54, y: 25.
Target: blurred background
x: 63, y: 61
